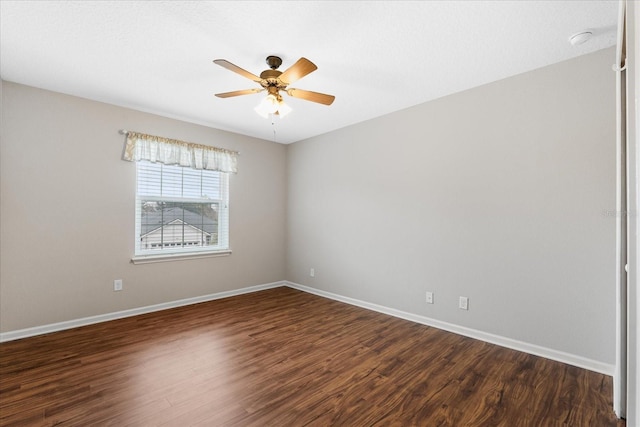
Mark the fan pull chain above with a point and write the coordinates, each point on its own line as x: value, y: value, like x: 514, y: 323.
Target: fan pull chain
x: 273, y: 124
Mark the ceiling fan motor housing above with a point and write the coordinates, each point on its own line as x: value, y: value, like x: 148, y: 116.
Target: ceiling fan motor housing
x: 270, y: 77
x: 270, y: 74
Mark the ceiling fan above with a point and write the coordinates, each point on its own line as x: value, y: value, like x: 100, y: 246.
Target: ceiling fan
x: 274, y: 81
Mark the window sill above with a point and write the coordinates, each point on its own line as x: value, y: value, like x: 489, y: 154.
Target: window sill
x: 148, y: 259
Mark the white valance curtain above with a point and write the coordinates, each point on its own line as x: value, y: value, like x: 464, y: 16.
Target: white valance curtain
x: 167, y: 151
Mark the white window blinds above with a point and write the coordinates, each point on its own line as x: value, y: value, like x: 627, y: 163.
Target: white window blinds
x: 180, y: 210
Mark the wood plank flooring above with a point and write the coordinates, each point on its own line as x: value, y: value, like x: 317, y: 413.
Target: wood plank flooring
x: 286, y: 358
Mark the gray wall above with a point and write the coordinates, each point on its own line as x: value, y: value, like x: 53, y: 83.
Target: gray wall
x: 67, y: 212
x: 496, y: 193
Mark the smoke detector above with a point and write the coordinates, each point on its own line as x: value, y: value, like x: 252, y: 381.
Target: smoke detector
x: 580, y: 38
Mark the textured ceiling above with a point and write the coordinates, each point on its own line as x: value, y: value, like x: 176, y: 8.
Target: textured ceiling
x: 374, y: 56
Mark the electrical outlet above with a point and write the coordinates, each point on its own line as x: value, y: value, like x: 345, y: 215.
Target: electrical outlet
x: 117, y: 285
x: 312, y: 272
x: 429, y: 297
x: 463, y: 303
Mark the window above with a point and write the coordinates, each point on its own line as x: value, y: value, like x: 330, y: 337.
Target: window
x: 182, y: 197
x: 180, y: 210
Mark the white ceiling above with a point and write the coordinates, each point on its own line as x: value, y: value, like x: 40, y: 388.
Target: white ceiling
x: 374, y: 56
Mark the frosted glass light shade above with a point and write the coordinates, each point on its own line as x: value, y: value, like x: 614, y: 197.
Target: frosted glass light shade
x: 283, y: 109
x: 271, y: 105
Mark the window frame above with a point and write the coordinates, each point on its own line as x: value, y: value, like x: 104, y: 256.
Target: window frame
x: 174, y: 253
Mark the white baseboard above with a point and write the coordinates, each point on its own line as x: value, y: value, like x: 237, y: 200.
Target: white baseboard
x: 55, y: 327
x: 559, y: 356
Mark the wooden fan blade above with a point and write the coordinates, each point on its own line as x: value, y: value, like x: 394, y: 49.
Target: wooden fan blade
x: 232, y: 67
x: 298, y: 71
x: 320, y: 98
x: 238, y: 93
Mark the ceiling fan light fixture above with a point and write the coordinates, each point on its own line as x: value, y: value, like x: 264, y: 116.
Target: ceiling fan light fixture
x: 283, y: 109
x: 272, y: 105
x: 269, y: 105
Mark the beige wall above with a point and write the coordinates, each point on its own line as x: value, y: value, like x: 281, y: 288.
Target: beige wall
x: 496, y: 193
x: 67, y: 212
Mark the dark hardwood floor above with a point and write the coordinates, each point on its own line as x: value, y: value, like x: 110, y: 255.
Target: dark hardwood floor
x: 286, y: 358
